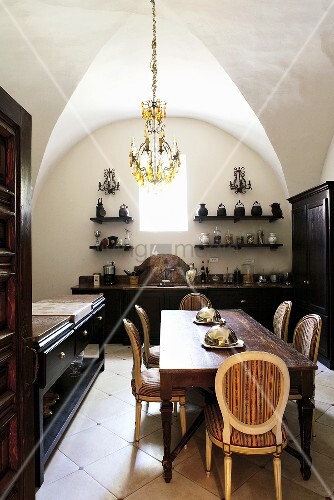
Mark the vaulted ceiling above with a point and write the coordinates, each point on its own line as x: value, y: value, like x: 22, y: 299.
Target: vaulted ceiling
x: 263, y: 71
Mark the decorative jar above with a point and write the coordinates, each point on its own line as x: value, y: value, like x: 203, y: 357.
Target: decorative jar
x: 202, y: 210
x: 204, y: 238
x: 272, y: 238
x: 123, y: 211
x: 221, y: 210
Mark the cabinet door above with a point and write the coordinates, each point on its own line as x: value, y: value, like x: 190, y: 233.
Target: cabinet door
x: 299, y: 253
x: 317, y: 275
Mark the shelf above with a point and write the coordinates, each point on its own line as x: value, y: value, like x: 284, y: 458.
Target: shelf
x: 71, y: 392
x: 121, y: 247
x: 100, y: 220
x: 238, y: 247
x: 201, y: 218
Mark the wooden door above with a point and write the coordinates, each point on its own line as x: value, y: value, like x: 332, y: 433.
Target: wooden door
x: 317, y: 272
x: 16, y: 354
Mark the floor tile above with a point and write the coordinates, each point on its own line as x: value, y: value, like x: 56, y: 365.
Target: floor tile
x: 327, y: 418
x: 116, y: 349
x: 119, y: 365
x: 179, y: 488
x: 91, y: 445
x: 102, y: 409
x: 111, y: 385
x: 326, y: 378
x: 125, y: 471
x: 124, y: 425
x: 324, y: 394
x: 79, y: 423
x: 78, y: 485
x: 58, y: 466
x: 323, y: 442
x: 322, y: 478
x: 194, y: 469
x: 254, y: 489
x: 127, y: 396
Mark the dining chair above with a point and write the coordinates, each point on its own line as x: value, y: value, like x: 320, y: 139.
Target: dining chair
x: 151, y: 354
x: 252, y: 390
x: 281, y: 320
x: 145, y: 383
x: 306, y: 339
x: 194, y: 302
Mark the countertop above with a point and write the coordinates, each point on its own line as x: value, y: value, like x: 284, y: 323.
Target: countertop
x: 55, y: 313
x: 205, y: 286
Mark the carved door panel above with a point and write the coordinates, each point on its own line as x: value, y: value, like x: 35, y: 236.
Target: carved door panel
x: 16, y: 354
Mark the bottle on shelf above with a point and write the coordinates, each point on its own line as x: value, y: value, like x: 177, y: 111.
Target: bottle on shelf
x: 217, y: 236
x: 203, y: 275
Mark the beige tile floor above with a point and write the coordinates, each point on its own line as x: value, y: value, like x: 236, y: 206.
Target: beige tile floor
x: 96, y: 459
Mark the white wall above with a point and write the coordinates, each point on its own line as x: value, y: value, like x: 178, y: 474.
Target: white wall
x: 62, y: 231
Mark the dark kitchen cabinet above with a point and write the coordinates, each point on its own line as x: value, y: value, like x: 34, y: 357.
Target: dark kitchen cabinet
x: 312, y: 257
x: 260, y: 302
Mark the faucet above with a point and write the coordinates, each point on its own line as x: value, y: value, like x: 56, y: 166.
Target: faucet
x: 167, y: 275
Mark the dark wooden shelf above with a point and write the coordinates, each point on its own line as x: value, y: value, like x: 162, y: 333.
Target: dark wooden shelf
x: 201, y: 218
x: 238, y: 247
x: 100, y: 220
x: 122, y: 247
x: 71, y: 392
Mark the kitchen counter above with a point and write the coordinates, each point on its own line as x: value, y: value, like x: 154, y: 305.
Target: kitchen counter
x: 199, y: 287
x: 62, y: 327
x: 260, y: 300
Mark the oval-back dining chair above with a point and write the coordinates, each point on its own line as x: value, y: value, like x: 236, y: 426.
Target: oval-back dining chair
x: 306, y: 339
x: 252, y: 390
x: 145, y: 383
x: 194, y: 302
x: 281, y: 320
x: 151, y: 354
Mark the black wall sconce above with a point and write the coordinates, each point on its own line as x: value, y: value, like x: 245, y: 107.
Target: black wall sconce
x: 109, y: 186
x: 239, y: 183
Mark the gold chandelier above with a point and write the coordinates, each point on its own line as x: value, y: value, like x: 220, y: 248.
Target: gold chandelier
x: 155, y: 161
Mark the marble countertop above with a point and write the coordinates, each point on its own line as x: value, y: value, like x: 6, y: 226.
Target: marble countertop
x: 43, y: 326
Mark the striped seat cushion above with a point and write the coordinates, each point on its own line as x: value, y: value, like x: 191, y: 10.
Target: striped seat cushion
x: 150, y: 387
x: 154, y: 356
x: 214, y: 424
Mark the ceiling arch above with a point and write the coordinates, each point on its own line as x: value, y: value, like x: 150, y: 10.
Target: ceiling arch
x: 190, y: 79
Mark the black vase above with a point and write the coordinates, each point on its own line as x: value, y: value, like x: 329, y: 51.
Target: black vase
x: 202, y: 210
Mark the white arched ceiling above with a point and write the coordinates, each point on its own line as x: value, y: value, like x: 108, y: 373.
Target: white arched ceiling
x: 190, y: 79
x: 279, y: 54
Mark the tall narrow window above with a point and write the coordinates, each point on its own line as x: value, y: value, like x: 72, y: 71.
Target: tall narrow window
x: 165, y: 209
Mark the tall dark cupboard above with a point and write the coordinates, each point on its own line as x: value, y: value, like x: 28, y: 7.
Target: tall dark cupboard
x: 313, y: 261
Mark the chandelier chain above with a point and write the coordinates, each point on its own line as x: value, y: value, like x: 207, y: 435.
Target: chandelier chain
x: 154, y: 65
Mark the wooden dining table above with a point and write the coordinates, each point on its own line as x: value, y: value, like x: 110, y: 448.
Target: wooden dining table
x: 184, y: 362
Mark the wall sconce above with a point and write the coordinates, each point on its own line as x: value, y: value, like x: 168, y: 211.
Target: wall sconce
x: 109, y: 186
x: 239, y: 184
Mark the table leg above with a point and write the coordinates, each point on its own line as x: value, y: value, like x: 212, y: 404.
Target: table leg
x: 166, y: 417
x: 305, y: 412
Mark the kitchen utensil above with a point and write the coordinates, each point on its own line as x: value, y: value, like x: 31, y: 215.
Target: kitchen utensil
x: 109, y: 272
